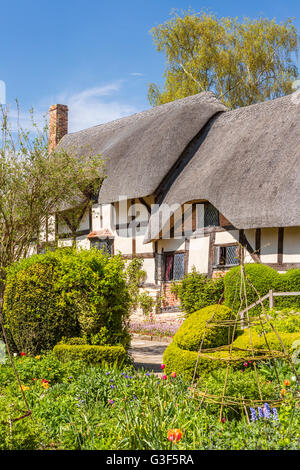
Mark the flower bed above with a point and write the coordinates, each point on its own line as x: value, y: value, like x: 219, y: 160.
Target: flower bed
x: 79, y: 407
x: 155, y: 328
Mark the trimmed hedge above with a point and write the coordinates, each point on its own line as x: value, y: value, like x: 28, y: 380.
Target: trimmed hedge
x: 259, y: 342
x: 263, y: 278
x: 111, y: 355
x: 67, y: 293
x: 190, y: 334
x: 182, y: 355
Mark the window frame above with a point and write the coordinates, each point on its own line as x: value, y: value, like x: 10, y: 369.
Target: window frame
x: 166, y: 254
x: 225, y: 246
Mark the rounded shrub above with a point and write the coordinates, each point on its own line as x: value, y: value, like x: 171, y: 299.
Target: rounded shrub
x: 66, y: 293
x: 204, y: 326
x: 263, y: 279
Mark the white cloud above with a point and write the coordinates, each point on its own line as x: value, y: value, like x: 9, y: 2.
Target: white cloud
x: 87, y: 108
x: 137, y: 74
x: 95, y: 105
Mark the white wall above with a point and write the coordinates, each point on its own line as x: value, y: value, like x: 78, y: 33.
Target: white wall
x: 199, y: 254
x: 269, y: 245
x: 291, y: 245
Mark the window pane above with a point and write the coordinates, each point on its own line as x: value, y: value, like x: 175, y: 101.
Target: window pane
x: 211, y: 215
x: 169, y: 268
x: 178, y: 266
x: 231, y: 255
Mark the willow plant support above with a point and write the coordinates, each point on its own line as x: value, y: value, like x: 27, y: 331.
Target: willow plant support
x: 251, y: 354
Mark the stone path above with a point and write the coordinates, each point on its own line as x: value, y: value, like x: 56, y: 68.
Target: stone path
x: 147, y: 354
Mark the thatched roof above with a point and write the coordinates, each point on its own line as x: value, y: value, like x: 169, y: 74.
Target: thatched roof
x: 245, y: 162
x: 247, y: 166
x: 141, y: 149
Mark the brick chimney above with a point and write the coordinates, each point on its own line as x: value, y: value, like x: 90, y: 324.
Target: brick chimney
x: 58, y: 124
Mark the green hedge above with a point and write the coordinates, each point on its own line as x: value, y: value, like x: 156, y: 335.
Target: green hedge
x: 111, y: 355
x: 67, y: 293
x: 263, y: 278
x: 196, y: 291
x: 190, y: 334
x: 181, y: 356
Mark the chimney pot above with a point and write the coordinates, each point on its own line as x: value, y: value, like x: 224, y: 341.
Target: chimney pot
x: 58, y: 124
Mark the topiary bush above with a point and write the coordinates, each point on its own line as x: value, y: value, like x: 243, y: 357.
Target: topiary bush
x: 191, y: 332
x: 182, y: 355
x: 196, y: 291
x: 108, y: 355
x: 67, y: 293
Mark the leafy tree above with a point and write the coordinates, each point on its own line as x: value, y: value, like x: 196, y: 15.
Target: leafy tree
x: 241, y: 62
x: 34, y: 185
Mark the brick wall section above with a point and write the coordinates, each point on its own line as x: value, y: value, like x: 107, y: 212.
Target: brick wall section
x: 169, y: 300
x: 217, y: 274
x: 58, y: 124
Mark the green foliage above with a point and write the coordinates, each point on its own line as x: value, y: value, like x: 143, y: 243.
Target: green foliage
x: 242, y: 383
x: 34, y: 184
x: 197, y: 330
x: 284, y: 321
x: 263, y: 278
x: 259, y: 342
x: 146, y: 303
x: 288, y: 282
x: 182, y: 354
x: 91, y: 408
x: 67, y: 293
x: 135, y: 277
x: 196, y: 291
x: 242, y: 62
x: 109, y: 355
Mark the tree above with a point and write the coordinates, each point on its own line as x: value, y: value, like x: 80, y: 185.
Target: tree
x: 34, y: 185
x: 241, y: 62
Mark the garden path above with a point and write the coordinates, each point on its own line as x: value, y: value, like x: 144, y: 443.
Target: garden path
x: 147, y: 354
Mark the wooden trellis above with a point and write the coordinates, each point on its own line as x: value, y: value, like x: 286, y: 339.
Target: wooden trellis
x: 243, y: 320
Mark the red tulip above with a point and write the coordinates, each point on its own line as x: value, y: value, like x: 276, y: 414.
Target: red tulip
x: 174, y: 435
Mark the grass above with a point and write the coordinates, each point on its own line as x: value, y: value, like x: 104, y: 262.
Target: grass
x: 100, y: 408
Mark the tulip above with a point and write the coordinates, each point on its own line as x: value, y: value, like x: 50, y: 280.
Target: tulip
x: 174, y: 435
x: 162, y: 366
x: 287, y: 383
x: 164, y: 377
x: 173, y: 374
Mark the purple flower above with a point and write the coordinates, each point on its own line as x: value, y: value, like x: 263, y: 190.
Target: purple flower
x: 107, y: 373
x: 260, y: 412
x: 267, y: 411
x: 253, y: 414
x: 275, y: 414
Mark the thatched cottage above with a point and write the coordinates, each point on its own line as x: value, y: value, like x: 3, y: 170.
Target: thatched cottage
x: 231, y: 179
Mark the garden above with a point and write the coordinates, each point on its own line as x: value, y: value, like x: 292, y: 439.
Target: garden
x: 67, y: 380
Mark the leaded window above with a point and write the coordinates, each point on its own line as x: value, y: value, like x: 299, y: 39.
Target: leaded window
x: 174, y: 266
x: 103, y: 244
x: 226, y: 255
x: 211, y: 215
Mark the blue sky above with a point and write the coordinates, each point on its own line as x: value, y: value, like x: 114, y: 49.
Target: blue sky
x: 97, y: 56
